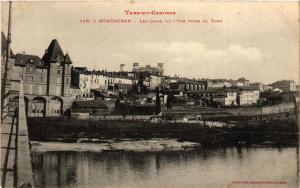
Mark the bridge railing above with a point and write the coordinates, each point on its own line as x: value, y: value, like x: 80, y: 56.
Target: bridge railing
x: 23, y: 159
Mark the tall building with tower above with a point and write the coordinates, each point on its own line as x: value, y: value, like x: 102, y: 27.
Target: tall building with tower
x: 46, y: 80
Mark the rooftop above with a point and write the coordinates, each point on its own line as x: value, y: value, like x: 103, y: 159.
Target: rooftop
x: 84, y: 70
x: 23, y: 59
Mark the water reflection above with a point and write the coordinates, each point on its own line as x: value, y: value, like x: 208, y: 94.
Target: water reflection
x: 206, y: 168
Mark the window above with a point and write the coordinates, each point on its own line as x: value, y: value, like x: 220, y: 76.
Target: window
x: 31, y: 78
x: 67, y: 80
x: 58, y: 71
x: 21, y: 77
x: 41, y: 79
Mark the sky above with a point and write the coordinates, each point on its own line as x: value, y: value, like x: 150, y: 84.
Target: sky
x: 255, y: 40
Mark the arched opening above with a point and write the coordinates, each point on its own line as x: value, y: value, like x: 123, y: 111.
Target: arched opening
x: 56, y: 106
x: 38, y: 107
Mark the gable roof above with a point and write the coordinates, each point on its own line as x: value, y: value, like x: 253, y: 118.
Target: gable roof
x: 53, y: 51
x: 80, y: 69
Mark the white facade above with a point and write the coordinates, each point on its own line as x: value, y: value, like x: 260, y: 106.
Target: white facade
x: 83, y: 93
x: 85, y: 83
x: 101, y: 81
x: 226, y: 98
x: 248, y: 97
x: 155, y: 81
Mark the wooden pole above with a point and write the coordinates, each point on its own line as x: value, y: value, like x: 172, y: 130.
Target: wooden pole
x: 5, y: 87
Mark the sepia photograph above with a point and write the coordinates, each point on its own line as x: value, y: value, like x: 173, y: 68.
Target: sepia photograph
x: 150, y: 94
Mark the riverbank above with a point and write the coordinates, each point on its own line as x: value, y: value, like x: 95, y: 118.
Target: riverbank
x: 115, y: 145
x: 276, y: 133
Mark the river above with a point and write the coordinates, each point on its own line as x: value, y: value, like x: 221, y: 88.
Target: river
x: 209, y: 168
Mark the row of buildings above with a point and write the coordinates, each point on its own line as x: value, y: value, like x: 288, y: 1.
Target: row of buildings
x: 282, y: 86
x: 113, y: 82
x: 52, y: 84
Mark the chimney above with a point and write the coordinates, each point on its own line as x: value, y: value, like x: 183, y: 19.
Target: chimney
x: 135, y: 66
x: 122, y: 67
x: 160, y: 65
x: 161, y: 68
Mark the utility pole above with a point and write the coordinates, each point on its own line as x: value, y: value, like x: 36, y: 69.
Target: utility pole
x: 5, y: 87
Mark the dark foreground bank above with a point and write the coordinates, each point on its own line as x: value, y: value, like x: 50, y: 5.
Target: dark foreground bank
x: 280, y: 132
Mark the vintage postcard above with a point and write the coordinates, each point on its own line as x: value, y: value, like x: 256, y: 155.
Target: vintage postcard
x: 150, y: 93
